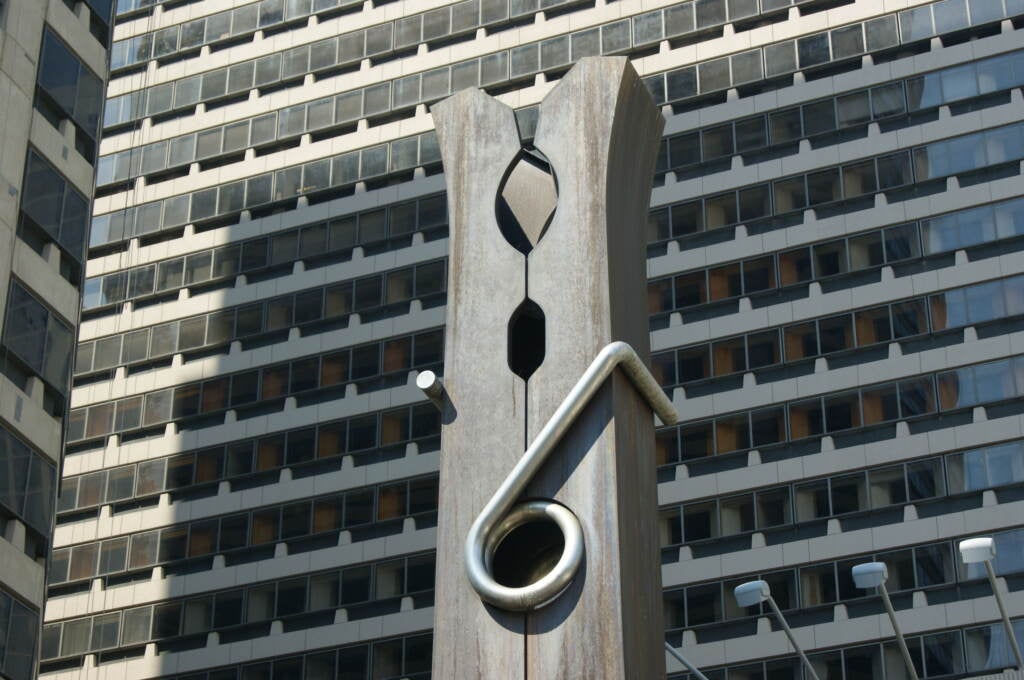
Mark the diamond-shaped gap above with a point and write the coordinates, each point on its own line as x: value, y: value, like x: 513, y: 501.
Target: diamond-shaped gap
x: 526, y: 339
x: 526, y: 200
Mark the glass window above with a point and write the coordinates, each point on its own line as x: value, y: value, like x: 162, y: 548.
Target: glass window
x: 113, y: 556
x: 859, y: 179
x: 768, y: 426
x: 917, y: 397
x: 135, y: 625
x: 819, y: 117
x: 83, y: 561
x: 909, y: 318
x: 853, y: 109
x: 76, y: 637
x: 647, y: 28
x: 823, y: 186
x: 847, y: 41
x: 849, y: 493
x: 615, y: 37
x: 143, y: 549
x: 835, y: 334
x: 805, y: 419
x: 780, y: 58
x: 378, y: 39
x: 916, y: 24
x: 257, y: 192
x: 746, y: 67
x: 316, y: 176
x: 714, y: 75
x: 265, y: 526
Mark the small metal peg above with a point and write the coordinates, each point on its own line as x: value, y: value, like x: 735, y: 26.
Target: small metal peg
x: 432, y: 387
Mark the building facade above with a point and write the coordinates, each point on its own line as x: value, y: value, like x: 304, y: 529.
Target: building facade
x: 249, y: 487
x: 53, y: 65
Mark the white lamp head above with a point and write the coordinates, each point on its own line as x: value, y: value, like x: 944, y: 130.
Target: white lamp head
x: 870, y: 575
x: 976, y: 550
x: 751, y: 593
x: 425, y: 380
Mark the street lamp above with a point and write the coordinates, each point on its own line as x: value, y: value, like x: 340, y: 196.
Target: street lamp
x: 756, y: 592
x: 874, y: 575
x: 983, y: 550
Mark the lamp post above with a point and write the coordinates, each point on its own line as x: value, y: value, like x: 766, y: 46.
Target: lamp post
x: 686, y: 662
x: 756, y: 592
x: 874, y: 575
x: 983, y: 550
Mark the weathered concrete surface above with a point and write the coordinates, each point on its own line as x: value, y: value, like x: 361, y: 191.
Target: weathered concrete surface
x: 600, y: 131
x: 485, y: 438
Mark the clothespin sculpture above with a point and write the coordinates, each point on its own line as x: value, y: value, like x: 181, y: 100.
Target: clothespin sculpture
x: 547, y: 552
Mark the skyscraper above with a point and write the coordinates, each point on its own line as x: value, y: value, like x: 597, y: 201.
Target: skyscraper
x: 249, y: 489
x: 53, y: 62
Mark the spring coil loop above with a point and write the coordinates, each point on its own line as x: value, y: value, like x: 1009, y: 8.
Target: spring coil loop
x: 501, y: 515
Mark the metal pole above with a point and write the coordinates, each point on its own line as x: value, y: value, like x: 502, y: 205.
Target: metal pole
x: 792, y: 640
x: 683, y: 660
x: 1002, y: 612
x: 884, y: 592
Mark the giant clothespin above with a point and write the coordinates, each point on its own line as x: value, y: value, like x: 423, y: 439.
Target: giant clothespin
x: 547, y: 557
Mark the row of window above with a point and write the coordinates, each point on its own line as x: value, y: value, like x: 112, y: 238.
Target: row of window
x: 367, y: 512
x: 785, y: 269
x: 243, y: 21
x: 372, y: 230
x: 396, y: 287
x: 934, y: 235
x: 363, y: 590
x: 934, y: 655
x: 375, y: 41
x: 873, y: 489
x: 860, y: 179
x: 67, y: 89
x: 923, y: 395
x: 364, y: 365
x: 37, y: 338
x: 288, y: 123
x: 443, y: 22
x: 28, y: 483
x: 54, y: 210
x: 763, y: 201
x: 828, y: 583
x: 99, y: 19
x: 954, y: 308
x: 123, y: 7
x: 327, y: 173
x: 243, y: 458
x: 19, y: 627
x: 848, y: 110
x: 407, y: 658
x: 926, y: 566
x: 783, y: 58
x: 939, y: 234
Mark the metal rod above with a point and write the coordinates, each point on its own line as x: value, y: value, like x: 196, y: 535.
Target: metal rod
x: 683, y: 660
x: 884, y: 592
x: 792, y: 638
x: 1002, y: 612
x: 482, y: 537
